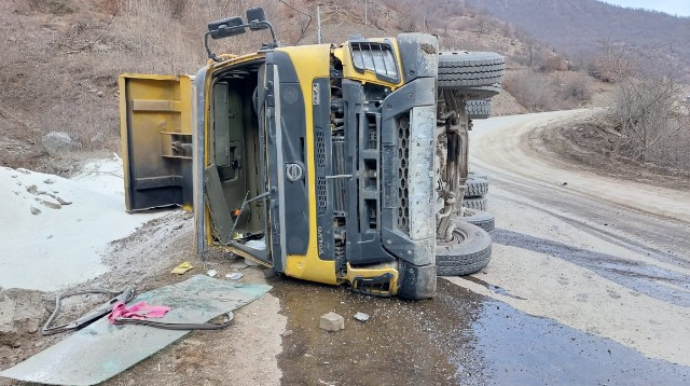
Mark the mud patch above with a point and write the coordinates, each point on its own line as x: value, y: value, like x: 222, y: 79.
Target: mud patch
x: 403, y: 343
x: 458, y: 338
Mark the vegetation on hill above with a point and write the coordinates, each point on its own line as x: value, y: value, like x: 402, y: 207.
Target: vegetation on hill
x: 61, y: 58
x: 584, y: 26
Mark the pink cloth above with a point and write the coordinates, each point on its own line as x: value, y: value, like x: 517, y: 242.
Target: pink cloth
x: 139, y: 310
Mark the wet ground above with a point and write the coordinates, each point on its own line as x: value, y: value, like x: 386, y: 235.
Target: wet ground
x: 460, y: 338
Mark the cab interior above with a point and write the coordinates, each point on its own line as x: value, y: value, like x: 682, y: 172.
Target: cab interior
x: 234, y: 173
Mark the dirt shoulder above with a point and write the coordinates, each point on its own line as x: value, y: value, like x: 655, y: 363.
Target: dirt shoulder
x: 584, y: 145
x: 243, y: 354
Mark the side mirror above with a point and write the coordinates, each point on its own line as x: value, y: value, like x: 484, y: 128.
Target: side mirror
x: 257, y: 19
x: 227, y: 27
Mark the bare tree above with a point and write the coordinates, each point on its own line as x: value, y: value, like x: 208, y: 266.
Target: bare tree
x: 646, y: 118
x: 614, y: 63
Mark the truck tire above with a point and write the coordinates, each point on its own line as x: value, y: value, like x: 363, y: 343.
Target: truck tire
x: 484, y: 220
x: 476, y: 187
x: 469, y: 252
x: 478, y: 108
x: 478, y: 203
x: 475, y: 74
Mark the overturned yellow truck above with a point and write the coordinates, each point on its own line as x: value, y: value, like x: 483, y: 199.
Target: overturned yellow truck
x: 338, y: 164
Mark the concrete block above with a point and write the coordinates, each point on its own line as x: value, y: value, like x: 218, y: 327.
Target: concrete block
x: 332, y: 322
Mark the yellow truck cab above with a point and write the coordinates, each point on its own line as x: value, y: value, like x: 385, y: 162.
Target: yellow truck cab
x: 317, y: 161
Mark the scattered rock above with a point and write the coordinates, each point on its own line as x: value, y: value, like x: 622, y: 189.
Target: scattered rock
x: 286, y: 333
x: 565, y: 184
x: 56, y: 142
x: 49, y: 181
x: 62, y: 201
x: 332, y: 322
x: 35, y: 211
x: 33, y: 189
x: 361, y: 316
x: 24, y: 171
x: 49, y: 204
x: 212, y: 272
x: 100, y: 93
x: 21, y: 312
x: 234, y: 276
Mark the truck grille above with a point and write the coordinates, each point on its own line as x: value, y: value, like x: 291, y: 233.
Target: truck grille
x: 339, y: 184
x: 321, y: 194
x: 403, y: 174
x: 320, y: 155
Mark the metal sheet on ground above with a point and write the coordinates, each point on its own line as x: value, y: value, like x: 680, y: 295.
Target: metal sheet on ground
x: 101, y: 350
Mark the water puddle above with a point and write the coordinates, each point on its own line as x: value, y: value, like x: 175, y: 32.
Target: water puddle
x: 459, y: 338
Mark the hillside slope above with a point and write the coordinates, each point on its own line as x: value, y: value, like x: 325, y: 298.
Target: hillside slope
x: 580, y: 26
x: 61, y: 58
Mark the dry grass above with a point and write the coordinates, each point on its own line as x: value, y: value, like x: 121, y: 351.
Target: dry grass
x: 61, y: 58
x: 559, y: 90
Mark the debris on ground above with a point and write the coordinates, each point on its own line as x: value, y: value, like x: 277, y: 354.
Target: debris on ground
x: 361, y: 316
x: 212, y: 273
x: 79, y: 358
x: 182, y: 268
x: 332, y: 322
x: 234, y: 276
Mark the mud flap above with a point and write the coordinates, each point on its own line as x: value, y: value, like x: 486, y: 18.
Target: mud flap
x: 417, y: 282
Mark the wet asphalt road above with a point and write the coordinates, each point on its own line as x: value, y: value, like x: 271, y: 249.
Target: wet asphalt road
x: 459, y: 338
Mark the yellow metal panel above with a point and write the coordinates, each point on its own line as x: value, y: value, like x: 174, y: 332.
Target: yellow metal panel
x: 153, y: 107
x: 156, y: 105
x: 310, y: 62
x: 371, y: 272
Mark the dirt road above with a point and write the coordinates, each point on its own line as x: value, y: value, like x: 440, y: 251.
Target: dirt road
x: 604, y: 256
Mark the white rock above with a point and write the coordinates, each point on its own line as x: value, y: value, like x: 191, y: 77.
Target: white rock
x: 332, y: 322
x: 361, y: 316
x: 56, y: 142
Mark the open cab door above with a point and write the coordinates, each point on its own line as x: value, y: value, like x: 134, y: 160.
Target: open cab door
x: 156, y: 130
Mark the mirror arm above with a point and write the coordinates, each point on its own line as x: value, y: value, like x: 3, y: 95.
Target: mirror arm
x: 210, y: 54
